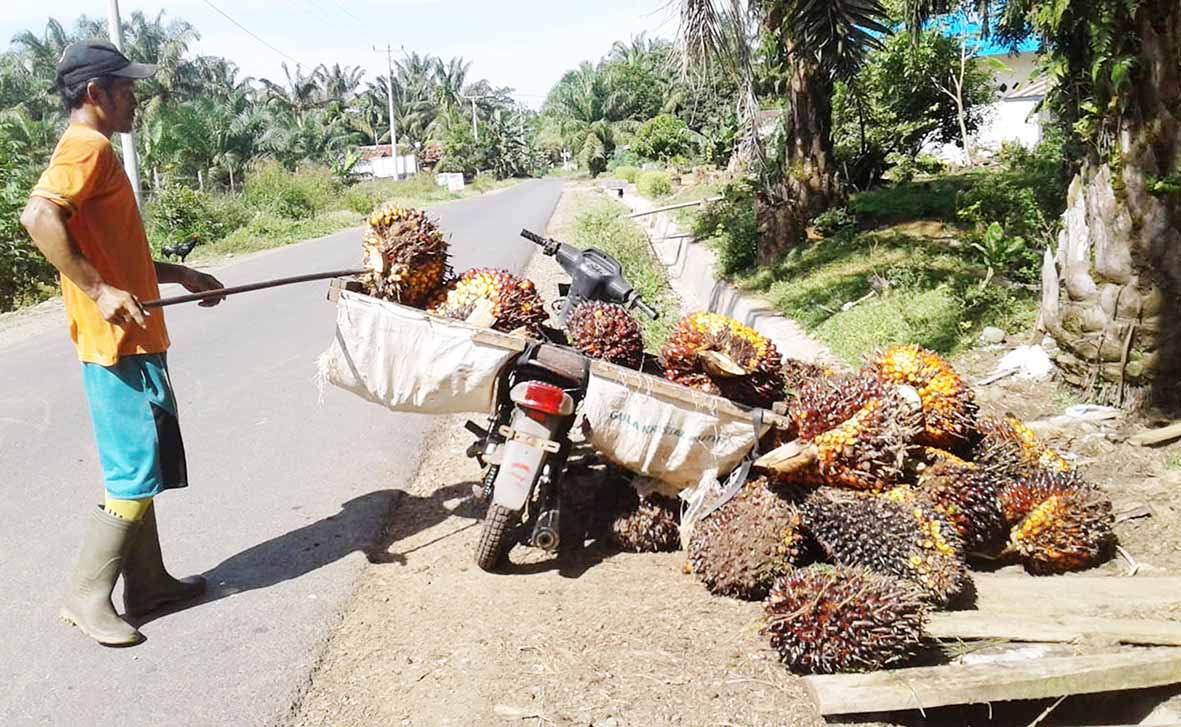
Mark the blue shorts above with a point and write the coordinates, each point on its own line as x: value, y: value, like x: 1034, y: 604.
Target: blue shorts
x: 134, y: 414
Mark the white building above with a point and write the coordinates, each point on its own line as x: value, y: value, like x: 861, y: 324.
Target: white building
x: 1016, y: 114
x: 378, y: 163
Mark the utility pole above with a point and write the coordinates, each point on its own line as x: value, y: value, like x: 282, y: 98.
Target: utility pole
x: 475, y: 129
x: 130, y: 160
x: 389, y: 87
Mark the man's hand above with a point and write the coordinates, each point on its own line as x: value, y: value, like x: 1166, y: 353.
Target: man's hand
x: 196, y: 281
x: 120, y: 307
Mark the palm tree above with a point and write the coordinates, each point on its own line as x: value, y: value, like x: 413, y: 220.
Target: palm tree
x: 809, y: 46
x: 588, y: 116
x: 298, y: 96
x: 163, y: 44
x: 450, y: 78
x: 338, y: 83
x: 1112, y: 293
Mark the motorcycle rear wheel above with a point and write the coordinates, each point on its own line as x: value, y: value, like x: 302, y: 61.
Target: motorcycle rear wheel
x: 495, y: 538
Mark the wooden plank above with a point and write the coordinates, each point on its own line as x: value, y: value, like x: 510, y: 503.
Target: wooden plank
x: 968, y: 625
x: 1074, y: 594
x: 1156, y: 436
x: 937, y: 686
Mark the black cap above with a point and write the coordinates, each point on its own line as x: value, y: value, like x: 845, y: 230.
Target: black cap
x: 89, y: 59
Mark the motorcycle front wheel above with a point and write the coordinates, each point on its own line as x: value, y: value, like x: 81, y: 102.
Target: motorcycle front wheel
x: 495, y: 539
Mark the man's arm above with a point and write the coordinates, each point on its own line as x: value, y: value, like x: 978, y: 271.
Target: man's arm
x: 194, y: 281
x: 46, y: 224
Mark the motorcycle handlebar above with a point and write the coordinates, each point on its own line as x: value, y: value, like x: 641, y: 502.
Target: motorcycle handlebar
x: 647, y: 309
x: 533, y: 237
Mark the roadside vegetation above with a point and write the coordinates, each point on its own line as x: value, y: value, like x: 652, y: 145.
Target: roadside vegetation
x: 914, y: 251
x: 245, y: 164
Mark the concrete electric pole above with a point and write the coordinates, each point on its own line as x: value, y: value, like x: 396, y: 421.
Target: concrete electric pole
x: 475, y: 129
x: 130, y: 160
x: 389, y: 87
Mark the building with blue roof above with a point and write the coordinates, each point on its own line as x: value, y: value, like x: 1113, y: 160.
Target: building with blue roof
x: 1016, y: 114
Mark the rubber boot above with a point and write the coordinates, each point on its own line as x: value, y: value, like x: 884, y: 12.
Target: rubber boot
x: 147, y: 586
x: 88, y: 604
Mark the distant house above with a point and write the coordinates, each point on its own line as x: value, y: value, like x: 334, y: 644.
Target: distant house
x: 1015, y: 115
x: 377, y: 162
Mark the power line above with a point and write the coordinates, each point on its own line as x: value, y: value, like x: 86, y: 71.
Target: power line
x: 345, y: 10
x: 251, y: 33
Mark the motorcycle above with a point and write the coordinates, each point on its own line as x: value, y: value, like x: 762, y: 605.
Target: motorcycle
x: 526, y: 445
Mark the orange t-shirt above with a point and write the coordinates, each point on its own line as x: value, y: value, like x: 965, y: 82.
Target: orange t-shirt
x: 85, y: 177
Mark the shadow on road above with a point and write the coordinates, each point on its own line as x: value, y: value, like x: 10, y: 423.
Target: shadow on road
x: 370, y: 523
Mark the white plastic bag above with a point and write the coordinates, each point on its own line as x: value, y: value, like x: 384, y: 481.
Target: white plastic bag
x: 661, y: 430
x: 406, y: 360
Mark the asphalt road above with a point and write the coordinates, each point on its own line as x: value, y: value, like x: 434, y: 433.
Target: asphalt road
x: 286, y: 490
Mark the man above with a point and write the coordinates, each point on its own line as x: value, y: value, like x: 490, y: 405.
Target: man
x: 82, y: 216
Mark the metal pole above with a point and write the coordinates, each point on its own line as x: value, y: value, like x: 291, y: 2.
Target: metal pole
x: 475, y: 129
x: 130, y: 160
x: 389, y: 57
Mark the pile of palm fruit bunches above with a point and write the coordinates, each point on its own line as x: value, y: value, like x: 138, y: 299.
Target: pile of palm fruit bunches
x: 863, y: 514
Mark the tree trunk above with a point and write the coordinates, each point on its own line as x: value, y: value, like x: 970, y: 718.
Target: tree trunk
x: 1111, y: 297
x: 808, y: 183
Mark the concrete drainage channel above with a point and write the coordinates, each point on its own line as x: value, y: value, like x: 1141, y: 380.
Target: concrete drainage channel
x: 691, y: 269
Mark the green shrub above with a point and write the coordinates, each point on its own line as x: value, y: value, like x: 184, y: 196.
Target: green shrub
x: 624, y: 158
x: 176, y: 213
x: 929, y: 164
x: 999, y: 252
x: 362, y: 198
x: 627, y: 174
x: 295, y: 195
x: 661, y: 138
x: 731, y: 229
x: 927, y: 199
x: 833, y: 220
x: 654, y: 185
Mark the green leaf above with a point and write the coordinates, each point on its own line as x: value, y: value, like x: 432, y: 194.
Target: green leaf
x: 1120, y: 71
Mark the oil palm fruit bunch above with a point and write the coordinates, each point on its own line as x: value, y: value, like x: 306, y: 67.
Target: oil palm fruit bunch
x: 1008, y: 442
x: 948, y: 404
x: 797, y: 373
x: 739, y: 549
x: 870, y: 451
x: 901, y: 536
x: 1021, y: 492
x: 607, y: 331
x: 824, y: 620
x: 1067, y: 531
x: 486, y: 294
x: 405, y: 254
x: 967, y: 495
x: 719, y: 355
x: 651, y: 525
x: 823, y: 402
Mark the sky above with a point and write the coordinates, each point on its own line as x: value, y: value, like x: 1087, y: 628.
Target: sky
x: 523, y: 44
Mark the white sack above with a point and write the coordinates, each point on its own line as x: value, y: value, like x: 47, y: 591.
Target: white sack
x: 406, y: 360
x: 677, y: 440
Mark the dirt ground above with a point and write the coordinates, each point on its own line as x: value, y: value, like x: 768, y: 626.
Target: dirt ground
x: 606, y: 638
